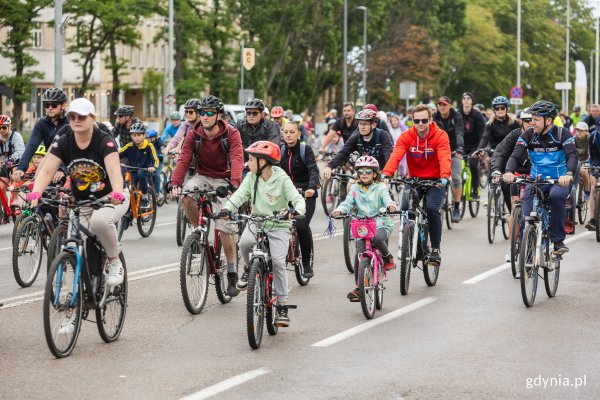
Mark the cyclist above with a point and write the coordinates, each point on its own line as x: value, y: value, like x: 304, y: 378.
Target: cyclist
x: 191, y: 117
x: 35, y: 163
x: 270, y: 190
x: 255, y: 127
x: 553, y: 155
x: 428, y: 157
x: 277, y: 116
x: 142, y: 154
x: 369, y: 140
x: 381, y: 123
x: 124, y: 121
x: 54, y: 101
x: 346, y: 125
x: 582, y: 144
x: 298, y: 161
x: 576, y: 116
x: 368, y: 195
x: 451, y: 122
x: 92, y: 162
x: 11, y: 146
x: 594, y: 146
x: 590, y: 119
x: 152, y: 137
x: 474, y: 125
x: 217, y: 150
x: 171, y: 129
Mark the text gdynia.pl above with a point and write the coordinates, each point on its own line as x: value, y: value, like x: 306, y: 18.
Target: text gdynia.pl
x: 557, y: 381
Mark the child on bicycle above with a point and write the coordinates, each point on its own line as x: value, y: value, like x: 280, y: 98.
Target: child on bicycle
x: 152, y: 137
x: 368, y: 195
x: 37, y: 158
x: 140, y: 153
x: 270, y: 190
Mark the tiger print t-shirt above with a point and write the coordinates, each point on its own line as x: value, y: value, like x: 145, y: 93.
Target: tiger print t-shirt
x: 86, y: 167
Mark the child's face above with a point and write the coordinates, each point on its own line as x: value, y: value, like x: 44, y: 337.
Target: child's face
x: 37, y: 159
x: 365, y: 174
x: 252, y: 163
x: 137, y: 137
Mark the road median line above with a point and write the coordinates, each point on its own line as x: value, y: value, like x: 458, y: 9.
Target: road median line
x: 227, y: 384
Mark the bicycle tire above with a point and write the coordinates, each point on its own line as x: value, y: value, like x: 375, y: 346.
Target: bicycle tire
x: 220, y: 275
x: 366, y: 290
x: 463, y: 206
x: 181, y: 224
x: 551, y: 272
x: 431, y: 273
x: 491, y: 218
x: 515, y: 239
x: 195, y: 291
x: 406, y: 259
x: 27, y: 251
x: 270, y: 313
x: 298, y: 264
x: 597, y: 213
x: 60, y: 233
x: 379, y: 290
x: 123, y: 222
x: 327, y: 190
x: 528, y: 265
x: 145, y: 223
x: 255, y: 303
x: 18, y: 221
x: 111, y: 318
x: 63, y: 347
x: 582, y: 204
x: 448, y: 208
x: 349, y: 246
x: 502, y: 217
x: 164, y: 180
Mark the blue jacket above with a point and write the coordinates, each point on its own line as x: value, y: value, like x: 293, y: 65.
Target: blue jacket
x: 143, y: 156
x: 594, y: 144
x: 43, y: 131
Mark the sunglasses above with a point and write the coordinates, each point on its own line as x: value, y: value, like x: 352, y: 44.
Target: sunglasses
x: 252, y: 113
x: 51, y: 105
x: 365, y: 171
x: 73, y: 116
x: 527, y: 120
x: 207, y: 113
x: 189, y: 112
x: 423, y: 121
x: 501, y: 108
x: 4, y: 127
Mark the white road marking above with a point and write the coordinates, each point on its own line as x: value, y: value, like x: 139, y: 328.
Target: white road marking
x: 374, y: 322
x: 227, y: 384
x: 500, y: 268
x: 6, y: 248
x: 165, y: 224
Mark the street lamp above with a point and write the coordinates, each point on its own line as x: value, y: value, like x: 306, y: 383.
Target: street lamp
x: 363, y: 8
x: 345, y: 51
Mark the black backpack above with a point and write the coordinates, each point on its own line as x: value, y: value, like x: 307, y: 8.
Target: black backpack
x: 302, y: 151
x: 198, y: 142
x: 375, y: 151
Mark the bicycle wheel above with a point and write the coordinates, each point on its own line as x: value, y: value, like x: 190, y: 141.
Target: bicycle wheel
x: 18, y: 221
x: 448, y: 204
x: 406, y: 258
x: 255, y: 303
x: 349, y: 247
x: 27, y: 251
x: 165, y: 177
x: 528, y: 264
x: 366, y: 287
x: 329, y: 194
x: 193, y: 273
x: 181, y: 224
x: 597, y: 213
x: 431, y: 272
x: 551, y: 272
x: 502, y: 217
x: 582, y: 205
x: 515, y: 239
x: 463, y: 206
x: 270, y: 313
x: 298, y: 265
x: 62, y: 314
x: 491, y: 215
x: 220, y: 275
x: 59, y: 234
x: 147, y: 218
x: 379, y: 290
x: 111, y: 317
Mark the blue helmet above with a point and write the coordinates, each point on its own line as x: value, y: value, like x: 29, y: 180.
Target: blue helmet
x: 500, y: 101
x: 150, y: 133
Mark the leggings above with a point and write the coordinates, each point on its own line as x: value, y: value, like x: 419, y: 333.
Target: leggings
x: 379, y: 242
x: 304, y: 232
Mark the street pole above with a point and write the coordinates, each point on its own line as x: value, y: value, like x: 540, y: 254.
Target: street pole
x: 58, y: 28
x: 345, y: 50
x: 518, y: 49
x: 597, y: 63
x: 363, y: 8
x: 171, y: 63
x: 592, y: 76
x: 566, y: 94
x: 243, y: 43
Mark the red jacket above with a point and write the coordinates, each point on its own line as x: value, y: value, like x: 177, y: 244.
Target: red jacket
x: 427, y: 157
x: 212, y: 157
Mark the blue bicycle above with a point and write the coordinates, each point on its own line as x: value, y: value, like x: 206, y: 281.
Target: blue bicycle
x: 76, y: 284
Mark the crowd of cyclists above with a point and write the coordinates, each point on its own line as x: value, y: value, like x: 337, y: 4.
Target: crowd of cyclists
x: 267, y: 164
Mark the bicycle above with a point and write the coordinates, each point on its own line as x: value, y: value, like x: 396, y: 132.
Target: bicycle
x: 7, y: 212
x: 595, y: 171
x: 167, y: 173
x: 581, y: 203
x: 535, y: 246
x: 467, y: 186
x: 201, y: 258
x: 294, y: 255
x: 495, y: 212
x: 334, y: 189
x: 515, y: 236
x: 414, y: 236
x: 76, y: 285
x: 145, y: 218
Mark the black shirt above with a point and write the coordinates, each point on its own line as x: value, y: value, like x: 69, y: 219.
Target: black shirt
x: 347, y: 131
x: 86, y: 167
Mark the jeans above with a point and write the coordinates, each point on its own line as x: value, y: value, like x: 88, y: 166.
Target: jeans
x: 433, y: 203
x: 157, y: 183
x: 141, y: 181
x: 474, y: 167
x: 557, y: 196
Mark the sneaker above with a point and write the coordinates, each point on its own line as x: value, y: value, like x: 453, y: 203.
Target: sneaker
x: 474, y: 197
x: 281, y: 318
x: 456, y: 215
x: 243, y: 281
x: 591, y: 225
x: 569, y: 227
x: 560, y: 248
x: 353, y: 296
x: 587, y: 196
x: 68, y: 325
x: 115, y: 273
x: 308, y: 271
x: 508, y: 256
x: 435, y: 257
x: 389, y: 263
x: 144, y: 202
x: 232, y: 278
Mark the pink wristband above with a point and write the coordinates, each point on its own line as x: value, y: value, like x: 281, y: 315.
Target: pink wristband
x: 34, y: 196
x: 117, y: 196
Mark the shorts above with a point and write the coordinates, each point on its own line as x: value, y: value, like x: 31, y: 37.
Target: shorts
x: 202, y: 181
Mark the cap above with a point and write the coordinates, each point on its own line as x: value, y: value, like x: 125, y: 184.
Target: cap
x: 82, y: 106
x: 444, y: 99
x: 582, y: 126
x: 465, y: 94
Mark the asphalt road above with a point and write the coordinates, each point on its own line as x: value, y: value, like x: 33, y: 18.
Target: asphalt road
x: 469, y: 337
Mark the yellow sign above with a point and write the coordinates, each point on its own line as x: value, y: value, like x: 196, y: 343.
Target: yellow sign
x: 249, y: 58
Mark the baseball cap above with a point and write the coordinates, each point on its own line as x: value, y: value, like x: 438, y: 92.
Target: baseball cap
x: 82, y: 106
x: 444, y: 99
x: 582, y: 126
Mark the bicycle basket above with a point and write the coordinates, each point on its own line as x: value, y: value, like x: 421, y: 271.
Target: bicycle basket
x: 364, y: 228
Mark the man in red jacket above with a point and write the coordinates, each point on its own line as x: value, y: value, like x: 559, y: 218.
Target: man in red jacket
x: 219, y: 161
x: 428, y: 157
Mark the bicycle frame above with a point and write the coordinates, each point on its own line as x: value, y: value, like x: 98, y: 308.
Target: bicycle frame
x: 135, y: 197
x: 376, y: 259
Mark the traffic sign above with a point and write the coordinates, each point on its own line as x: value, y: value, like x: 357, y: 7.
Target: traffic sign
x: 516, y: 101
x: 516, y: 92
x: 249, y: 58
x: 244, y: 95
x: 408, y: 90
x: 563, y: 85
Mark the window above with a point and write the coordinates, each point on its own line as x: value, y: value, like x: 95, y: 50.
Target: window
x: 140, y: 59
x: 132, y: 56
x: 155, y: 56
x: 147, y: 65
x: 37, y: 35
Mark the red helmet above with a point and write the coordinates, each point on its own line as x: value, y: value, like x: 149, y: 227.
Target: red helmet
x: 5, y: 120
x: 265, y: 149
x: 367, y: 115
x: 277, y: 112
x: 371, y: 107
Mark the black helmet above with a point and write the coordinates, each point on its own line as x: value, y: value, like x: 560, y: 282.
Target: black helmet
x: 192, y: 103
x: 125, y: 110
x: 137, y: 127
x: 211, y: 101
x: 255, y: 104
x: 54, y: 95
x: 544, y: 108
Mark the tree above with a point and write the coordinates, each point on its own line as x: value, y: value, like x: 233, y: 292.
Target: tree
x: 18, y: 17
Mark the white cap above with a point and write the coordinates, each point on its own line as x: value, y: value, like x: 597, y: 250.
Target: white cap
x: 582, y: 126
x: 82, y: 106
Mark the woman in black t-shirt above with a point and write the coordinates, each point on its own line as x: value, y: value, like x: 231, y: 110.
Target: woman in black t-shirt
x: 92, y: 161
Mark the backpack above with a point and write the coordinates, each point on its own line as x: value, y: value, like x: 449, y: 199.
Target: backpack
x: 11, y: 146
x: 302, y: 151
x: 374, y: 152
x: 198, y: 142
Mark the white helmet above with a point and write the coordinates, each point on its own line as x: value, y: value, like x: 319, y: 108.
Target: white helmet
x: 525, y: 113
x: 367, y: 161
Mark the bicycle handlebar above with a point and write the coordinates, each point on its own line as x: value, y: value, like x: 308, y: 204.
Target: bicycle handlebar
x: 417, y: 182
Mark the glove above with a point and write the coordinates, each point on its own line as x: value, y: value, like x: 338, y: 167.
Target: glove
x: 496, y: 173
x: 224, y: 213
x: 444, y: 182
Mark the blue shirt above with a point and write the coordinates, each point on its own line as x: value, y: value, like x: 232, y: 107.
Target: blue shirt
x: 169, y: 131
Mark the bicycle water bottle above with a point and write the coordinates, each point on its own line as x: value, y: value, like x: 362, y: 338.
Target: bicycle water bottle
x: 535, y: 207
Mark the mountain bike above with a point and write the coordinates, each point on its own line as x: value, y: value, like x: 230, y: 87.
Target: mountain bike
x: 145, y: 217
x: 76, y: 285
x: 496, y: 207
x: 7, y: 212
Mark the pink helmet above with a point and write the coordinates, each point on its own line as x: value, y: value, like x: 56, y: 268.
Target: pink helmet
x: 277, y: 112
x: 367, y: 161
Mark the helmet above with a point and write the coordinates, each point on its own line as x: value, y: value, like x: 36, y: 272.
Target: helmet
x: 297, y: 118
x: 108, y: 125
x: 54, y: 94
x: 544, y: 108
x: 331, y: 121
x: 366, y: 115
x: 125, y: 110
x: 175, y: 115
x: 371, y: 107
x: 367, y: 161
x: 582, y: 126
x: 479, y: 106
x: 211, y: 101
x: 524, y: 113
x: 277, y: 112
x: 192, y: 103
x: 577, y: 108
x: 41, y: 150
x: 500, y: 101
x: 5, y: 120
x: 255, y: 103
x: 265, y: 149
x: 150, y: 133
x: 137, y: 127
